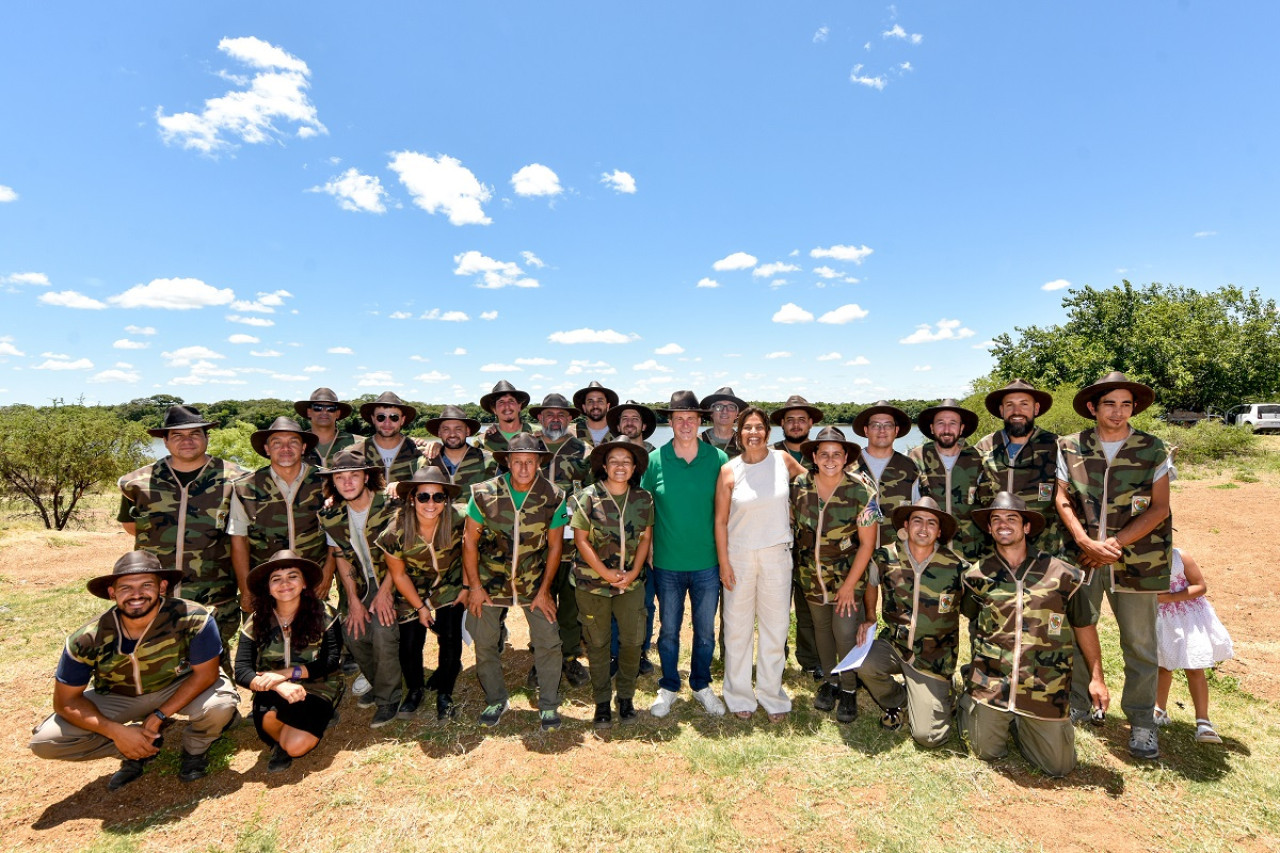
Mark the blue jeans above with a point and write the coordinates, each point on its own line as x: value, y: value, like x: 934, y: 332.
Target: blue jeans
x: 650, y: 607
x: 703, y: 588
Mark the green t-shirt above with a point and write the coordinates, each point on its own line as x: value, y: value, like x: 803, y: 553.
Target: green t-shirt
x: 684, y: 538
x: 560, y: 519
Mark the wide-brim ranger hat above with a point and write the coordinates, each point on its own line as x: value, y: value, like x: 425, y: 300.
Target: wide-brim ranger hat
x: 882, y: 407
x: 452, y: 413
x: 427, y: 475
x: 580, y: 396
x: 946, y: 521
x: 554, y: 401
x: 388, y: 399
x: 600, y: 453
x: 831, y: 434
x: 180, y: 417
x: 683, y: 401
x: 501, y: 390
x: 1018, y: 386
x: 280, y: 425
x: 285, y: 559
x: 523, y: 442
x: 1008, y: 501
x: 322, y: 395
x: 723, y: 395
x: 795, y: 401
x: 968, y: 419
x: 348, y: 459
x: 1143, y: 395
x: 613, y: 417
x: 133, y: 563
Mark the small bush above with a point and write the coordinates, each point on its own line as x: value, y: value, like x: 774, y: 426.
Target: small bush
x: 1207, y: 441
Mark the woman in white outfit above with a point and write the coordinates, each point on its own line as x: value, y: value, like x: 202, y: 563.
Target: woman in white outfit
x: 753, y: 543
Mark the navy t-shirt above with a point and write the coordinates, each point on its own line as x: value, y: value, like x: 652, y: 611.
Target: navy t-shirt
x: 205, y: 646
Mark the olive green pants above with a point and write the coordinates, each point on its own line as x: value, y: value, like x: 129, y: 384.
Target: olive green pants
x: 597, y: 613
x: 1049, y: 745
x: 927, y: 697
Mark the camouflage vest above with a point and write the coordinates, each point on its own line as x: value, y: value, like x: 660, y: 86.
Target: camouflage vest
x: 513, y: 542
x: 731, y: 448
x: 476, y: 467
x: 337, y: 526
x: 826, y: 535
x: 922, y: 608
x: 956, y: 491
x: 498, y: 441
x: 579, y: 429
x: 436, y: 572
x: 275, y: 525
x: 271, y: 655
x: 320, y: 455
x: 1107, y: 496
x: 1031, y: 476
x: 891, y: 491
x: 613, y: 527
x: 187, y: 527
x: 160, y: 658
x: 568, y: 468
x: 1023, y: 644
x: 408, y: 458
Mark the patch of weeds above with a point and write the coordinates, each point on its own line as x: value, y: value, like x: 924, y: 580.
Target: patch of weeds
x: 1225, y: 486
x: 56, y: 541
x: 1246, y: 476
x: 1224, y: 683
x: 257, y: 838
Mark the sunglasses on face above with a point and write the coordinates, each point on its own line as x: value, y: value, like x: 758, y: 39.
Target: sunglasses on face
x: 392, y: 418
x: 724, y: 407
x: 323, y: 407
x: 431, y: 497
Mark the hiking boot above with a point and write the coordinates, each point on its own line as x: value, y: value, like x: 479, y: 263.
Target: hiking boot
x: 604, y: 716
x: 710, y: 701
x: 490, y: 716
x: 409, y: 705
x: 193, y: 767
x: 662, y: 705
x: 626, y: 711
x: 531, y: 680
x: 1144, y: 743
x: 445, y: 709
x: 847, y: 710
x: 575, y: 672
x: 385, y: 714
x: 130, y: 771
x: 280, y: 760
x: 551, y: 721
x: 825, y: 698
x: 646, y: 665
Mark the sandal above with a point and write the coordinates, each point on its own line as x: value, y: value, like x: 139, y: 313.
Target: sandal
x: 1205, y: 732
x: 778, y: 717
x: 1161, y: 717
x: 742, y: 715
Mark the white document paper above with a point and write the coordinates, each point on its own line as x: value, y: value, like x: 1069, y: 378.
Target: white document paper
x: 857, y: 654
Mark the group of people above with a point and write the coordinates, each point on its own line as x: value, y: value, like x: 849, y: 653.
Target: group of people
x: 572, y: 516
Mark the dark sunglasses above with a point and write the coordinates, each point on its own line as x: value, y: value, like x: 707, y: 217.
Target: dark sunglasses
x: 323, y: 407
x: 381, y: 418
x: 431, y: 497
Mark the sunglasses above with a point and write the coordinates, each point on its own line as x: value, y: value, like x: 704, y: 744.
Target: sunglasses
x: 323, y: 407
x: 431, y: 497
x: 392, y: 418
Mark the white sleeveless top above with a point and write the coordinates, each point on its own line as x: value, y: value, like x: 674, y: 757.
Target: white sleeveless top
x: 759, y: 511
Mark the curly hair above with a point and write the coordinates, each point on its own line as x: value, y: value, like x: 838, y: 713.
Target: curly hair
x: 307, y: 627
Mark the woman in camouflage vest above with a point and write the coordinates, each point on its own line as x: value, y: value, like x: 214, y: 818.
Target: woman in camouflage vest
x: 289, y: 657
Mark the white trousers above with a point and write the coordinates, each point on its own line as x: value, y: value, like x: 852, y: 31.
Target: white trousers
x: 762, y: 595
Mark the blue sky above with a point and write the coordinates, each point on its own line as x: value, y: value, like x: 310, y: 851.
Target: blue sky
x: 842, y: 200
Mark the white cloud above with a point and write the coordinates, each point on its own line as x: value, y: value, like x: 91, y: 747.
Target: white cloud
x: 898, y: 32
x: 862, y: 381
x: 1056, y: 284
x: 315, y: 368
x: 946, y: 330
x: 140, y: 330
x: 843, y: 314
x: 261, y: 322
x: 265, y: 303
x: 125, y: 343
x: 445, y: 316
x: 821, y: 34
x: 1205, y: 234
x: 922, y: 368
x: 905, y: 66
x: 243, y: 339
x: 856, y: 76
x: 842, y: 253
x: 591, y: 336
x: 669, y: 349
x: 488, y: 315
x: 651, y: 364
x: 619, y: 181
x: 736, y: 261
x: 71, y: 299
x: 377, y: 379
x: 708, y: 282
x: 276, y: 93
x: 442, y: 184
x: 432, y: 376
x: 289, y: 377
x: 792, y: 313
x: 493, y: 273
x: 186, y: 356
x: 459, y: 351
x: 7, y: 347
x: 984, y: 345
x: 269, y: 353
x: 340, y: 351
x: 535, y: 362
x: 831, y: 356
x: 401, y: 315
x: 825, y: 272
x: 7, y: 194
x: 356, y: 192
x: 766, y: 270
x: 532, y: 260
x: 857, y: 361
x: 500, y: 368
x: 60, y: 356
x: 64, y: 363
x: 536, y: 180
x: 36, y: 278
x: 177, y: 294
x: 778, y: 354
x: 125, y: 376
x: 595, y: 368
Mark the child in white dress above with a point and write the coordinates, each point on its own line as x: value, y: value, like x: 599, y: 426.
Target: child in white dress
x: 1189, y: 637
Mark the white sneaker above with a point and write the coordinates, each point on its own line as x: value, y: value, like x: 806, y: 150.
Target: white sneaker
x: 361, y: 686
x: 662, y: 705
x: 710, y: 701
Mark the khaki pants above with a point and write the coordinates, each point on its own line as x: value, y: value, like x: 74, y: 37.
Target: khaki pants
x: 1050, y: 745
x: 597, y: 613
x: 207, y: 715
x: 835, y: 637
x: 1135, y: 614
x: 377, y: 650
x: 927, y: 697
x: 545, y: 640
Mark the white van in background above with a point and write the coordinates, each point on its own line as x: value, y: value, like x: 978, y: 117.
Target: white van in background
x: 1260, y: 417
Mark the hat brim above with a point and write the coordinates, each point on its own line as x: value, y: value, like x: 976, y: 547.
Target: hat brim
x: 258, y: 440
x: 326, y: 472
x: 899, y: 417
x: 163, y: 432
x: 301, y: 407
x: 982, y: 518
x: 580, y: 396
x: 669, y: 412
x: 500, y: 456
x: 968, y: 420
x: 1143, y: 396
x: 946, y: 521
x: 711, y: 399
x: 601, y: 452
x: 573, y: 411
x: 98, y: 586
x: 433, y: 425
x: 367, y: 410
x: 851, y: 449
x: 613, y: 417
x: 310, y: 571
x: 814, y: 413
x: 993, y: 400
x: 487, y: 401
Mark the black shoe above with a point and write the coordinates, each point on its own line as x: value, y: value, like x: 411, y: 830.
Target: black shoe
x: 604, y: 717
x: 349, y: 665
x: 531, y: 680
x: 280, y: 760
x: 825, y: 699
x: 575, y: 672
x: 550, y: 720
x: 646, y: 665
x: 626, y: 711
x: 409, y: 705
x: 817, y: 674
x: 445, y: 709
x: 130, y: 771
x: 384, y: 715
x: 847, y: 710
x: 193, y: 767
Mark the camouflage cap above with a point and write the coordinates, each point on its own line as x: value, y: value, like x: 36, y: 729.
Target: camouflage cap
x: 180, y: 417
x: 322, y: 395
x: 795, y: 401
x: 613, y: 417
x: 502, y: 389
x: 391, y: 400
x: 348, y: 459
x: 523, y: 442
x: 600, y: 453
x: 133, y: 563
x: 555, y: 401
x: 946, y: 520
x: 1018, y: 386
x: 835, y: 435
x: 1143, y: 395
x: 282, y: 425
x: 882, y: 407
x: 968, y: 419
x: 1008, y: 501
x: 580, y: 396
x: 424, y: 476
x: 452, y: 413
x: 285, y: 559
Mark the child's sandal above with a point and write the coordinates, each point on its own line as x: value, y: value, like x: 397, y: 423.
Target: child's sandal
x: 1162, y: 717
x: 1205, y: 732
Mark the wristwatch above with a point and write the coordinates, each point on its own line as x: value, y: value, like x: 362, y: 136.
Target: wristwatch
x: 297, y: 675
x: 161, y: 715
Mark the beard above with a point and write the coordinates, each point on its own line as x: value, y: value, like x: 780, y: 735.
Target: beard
x: 139, y: 611
x: 946, y: 442
x: 554, y: 433
x: 453, y: 442
x: 1019, y: 430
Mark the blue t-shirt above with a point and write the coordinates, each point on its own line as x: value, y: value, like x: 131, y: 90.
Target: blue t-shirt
x: 205, y: 646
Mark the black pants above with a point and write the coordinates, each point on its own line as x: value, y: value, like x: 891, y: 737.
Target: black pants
x: 448, y: 631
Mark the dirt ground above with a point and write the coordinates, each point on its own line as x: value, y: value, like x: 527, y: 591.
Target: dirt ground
x: 1232, y: 532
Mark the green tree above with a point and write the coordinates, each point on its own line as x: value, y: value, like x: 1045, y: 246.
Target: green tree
x: 231, y: 442
x: 1197, y: 350
x: 52, y: 456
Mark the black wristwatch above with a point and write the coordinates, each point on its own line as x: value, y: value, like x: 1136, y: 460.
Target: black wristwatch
x: 161, y: 715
